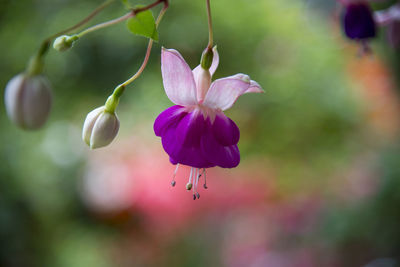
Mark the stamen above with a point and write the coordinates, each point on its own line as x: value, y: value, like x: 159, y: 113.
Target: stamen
x: 205, y: 178
x: 189, y: 185
x: 173, y: 182
x: 195, y: 178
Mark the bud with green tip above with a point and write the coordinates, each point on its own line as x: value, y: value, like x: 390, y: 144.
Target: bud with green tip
x: 28, y: 100
x: 100, y: 127
x: 64, y: 42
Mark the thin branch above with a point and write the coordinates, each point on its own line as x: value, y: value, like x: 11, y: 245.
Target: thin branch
x: 210, y: 30
x: 84, y: 21
x: 149, y: 46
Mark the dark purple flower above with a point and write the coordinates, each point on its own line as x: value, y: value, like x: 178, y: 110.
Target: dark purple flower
x: 196, y: 132
x: 358, y: 21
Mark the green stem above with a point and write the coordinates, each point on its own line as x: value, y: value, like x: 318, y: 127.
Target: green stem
x: 35, y: 64
x: 113, y: 100
x: 210, y: 30
x: 105, y: 24
x: 84, y: 21
x: 148, y: 51
x: 132, y: 13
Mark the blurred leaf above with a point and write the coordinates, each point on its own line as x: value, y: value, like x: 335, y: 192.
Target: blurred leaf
x: 126, y: 4
x: 143, y: 24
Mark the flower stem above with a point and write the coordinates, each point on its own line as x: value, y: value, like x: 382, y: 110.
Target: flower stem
x: 84, y: 21
x: 105, y: 24
x: 44, y: 47
x: 210, y: 30
x: 132, y: 13
x: 148, y: 51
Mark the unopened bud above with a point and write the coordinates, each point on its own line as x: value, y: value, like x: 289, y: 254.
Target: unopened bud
x: 28, y: 100
x: 100, y: 128
x: 64, y: 42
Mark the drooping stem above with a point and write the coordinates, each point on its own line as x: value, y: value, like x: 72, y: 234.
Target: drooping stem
x: 210, y: 30
x: 46, y: 43
x: 148, y: 51
x: 84, y: 21
x: 132, y: 13
x: 105, y: 24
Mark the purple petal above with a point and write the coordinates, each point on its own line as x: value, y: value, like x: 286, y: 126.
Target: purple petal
x: 223, y: 156
x: 254, y: 88
x: 224, y: 92
x: 178, y: 79
x: 173, y: 161
x: 190, y: 156
x: 225, y: 130
x: 169, y: 141
x: 213, y: 68
x: 190, y: 129
x: 166, y: 118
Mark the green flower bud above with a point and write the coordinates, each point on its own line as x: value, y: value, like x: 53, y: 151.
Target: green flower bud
x: 64, y: 42
x: 28, y: 100
x: 100, y: 128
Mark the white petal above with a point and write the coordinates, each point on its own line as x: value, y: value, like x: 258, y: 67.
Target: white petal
x: 254, y: 88
x: 177, y: 77
x: 89, y: 123
x: 224, y: 92
x: 104, y: 130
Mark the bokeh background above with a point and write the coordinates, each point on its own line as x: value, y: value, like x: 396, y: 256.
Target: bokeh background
x: 319, y: 180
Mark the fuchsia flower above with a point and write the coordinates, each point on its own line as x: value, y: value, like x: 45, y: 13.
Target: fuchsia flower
x: 196, y: 132
x: 358, y: 20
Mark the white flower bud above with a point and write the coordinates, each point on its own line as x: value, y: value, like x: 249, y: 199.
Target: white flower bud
x: 64, y: 42
x: 28, y: 100
x: 100, y: 128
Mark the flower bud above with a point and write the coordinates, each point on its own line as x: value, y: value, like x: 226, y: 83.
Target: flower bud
x: 28, y: 100
x: 64, y: 42
x: 100, y: 128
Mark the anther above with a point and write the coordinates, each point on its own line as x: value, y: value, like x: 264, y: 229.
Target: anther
x: 189, y: 186
x: 194, y: 197
x: 173, y: 183
x: 197, y: 195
